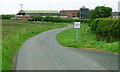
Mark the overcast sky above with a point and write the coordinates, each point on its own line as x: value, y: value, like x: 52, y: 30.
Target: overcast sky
x: 12, y: 6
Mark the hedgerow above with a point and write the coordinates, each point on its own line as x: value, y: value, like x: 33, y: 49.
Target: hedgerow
x: 59, y: 19
x: 38, y: 18
x: 106, y: 29
x: 6, y: 16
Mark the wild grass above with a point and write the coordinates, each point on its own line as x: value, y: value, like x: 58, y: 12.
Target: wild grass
x: 0, y: 44
x: 15, y: 32
x: 0, y: 56
x: 86, y: 39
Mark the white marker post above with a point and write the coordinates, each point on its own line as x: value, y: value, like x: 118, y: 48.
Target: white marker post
x: 77, y: 26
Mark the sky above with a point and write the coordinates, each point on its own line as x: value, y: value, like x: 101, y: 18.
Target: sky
x: 13, y: 6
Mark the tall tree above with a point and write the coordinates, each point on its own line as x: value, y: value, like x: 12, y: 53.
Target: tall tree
x: 101, y: 12
x: 93, y: 14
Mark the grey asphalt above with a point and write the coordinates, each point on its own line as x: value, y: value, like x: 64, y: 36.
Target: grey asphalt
x: 43, y: 52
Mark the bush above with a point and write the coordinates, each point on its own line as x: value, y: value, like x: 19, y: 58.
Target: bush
x: 39, y: 18
x: 106, y: 29
x: 82, y: 20
x: 59, y: 19
x: 6, y: 16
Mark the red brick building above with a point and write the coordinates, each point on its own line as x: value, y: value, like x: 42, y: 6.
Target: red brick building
x: 21, y: 17
x: 69, y: 13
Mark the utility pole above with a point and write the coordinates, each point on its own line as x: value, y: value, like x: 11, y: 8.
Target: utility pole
x: 21, y: 8
x: 63, y: 12
x: 50, y: 7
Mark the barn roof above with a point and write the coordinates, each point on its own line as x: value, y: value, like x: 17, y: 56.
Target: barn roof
x: 39, y: 11
x: 69, y: 10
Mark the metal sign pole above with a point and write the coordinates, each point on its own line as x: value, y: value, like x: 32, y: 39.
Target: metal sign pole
x: 76, y: 34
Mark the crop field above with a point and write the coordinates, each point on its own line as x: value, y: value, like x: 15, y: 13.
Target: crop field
x: 15, y: 32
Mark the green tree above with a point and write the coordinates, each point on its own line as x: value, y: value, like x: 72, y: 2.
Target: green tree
x: 101, y: 12
x: 93, y: 14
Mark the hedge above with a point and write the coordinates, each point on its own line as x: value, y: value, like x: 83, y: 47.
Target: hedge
x: 59, y: 19
x: 6, y: 16
x: 82, y: 20
x: 38, y: 18
x: 106, y: 29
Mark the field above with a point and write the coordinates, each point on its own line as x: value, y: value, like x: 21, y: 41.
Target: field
x: 0, y: 45
x: 15, y: 32
x: 86, y: 40
x: 0, y: 55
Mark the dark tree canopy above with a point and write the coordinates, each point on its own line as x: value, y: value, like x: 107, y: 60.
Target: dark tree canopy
x: 101, y: 12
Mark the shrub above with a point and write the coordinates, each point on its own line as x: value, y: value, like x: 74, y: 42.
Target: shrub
x: 106, y: 29
x: 59, y: 19
x: 6, y: 16
x: 38, y: 18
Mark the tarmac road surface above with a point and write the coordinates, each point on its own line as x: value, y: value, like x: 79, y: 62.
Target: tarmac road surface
x: 43, y: 52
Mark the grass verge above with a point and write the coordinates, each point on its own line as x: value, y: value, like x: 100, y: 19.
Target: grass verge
x: 0, y: 45
x: 0, y: 55
x: 86, y: 40
x: 15, y: 32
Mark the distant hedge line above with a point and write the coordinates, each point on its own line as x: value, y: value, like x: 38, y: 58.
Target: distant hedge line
x: 107, y: 29
x: 50, y: 19
x: 6, y: 16
x: 59, y: 19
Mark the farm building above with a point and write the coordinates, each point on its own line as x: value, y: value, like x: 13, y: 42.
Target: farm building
x: 39, y: 12
x: 84, y: 13
x: 21, y: 17
x: 116, y: 14
x: 69, y: 13
x: 81, y: 13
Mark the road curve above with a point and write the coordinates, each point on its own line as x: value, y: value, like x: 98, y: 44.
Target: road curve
x: 43, y: 52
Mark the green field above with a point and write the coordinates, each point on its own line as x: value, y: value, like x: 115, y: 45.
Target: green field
x: 87, y: 40
x: 0, y: 55
x: 15, y: 32
x: 0, y: 44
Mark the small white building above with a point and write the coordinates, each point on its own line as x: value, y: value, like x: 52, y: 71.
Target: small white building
x: 116, y: 14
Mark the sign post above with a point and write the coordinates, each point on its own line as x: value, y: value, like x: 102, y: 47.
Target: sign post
x: 76, y: 34
x: 77, y: 26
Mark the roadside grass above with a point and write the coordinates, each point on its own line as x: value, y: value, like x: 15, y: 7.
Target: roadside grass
x: 0, y: 44
x: 86, y: 40
x: 15, y: 32
x: 0, y: 55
